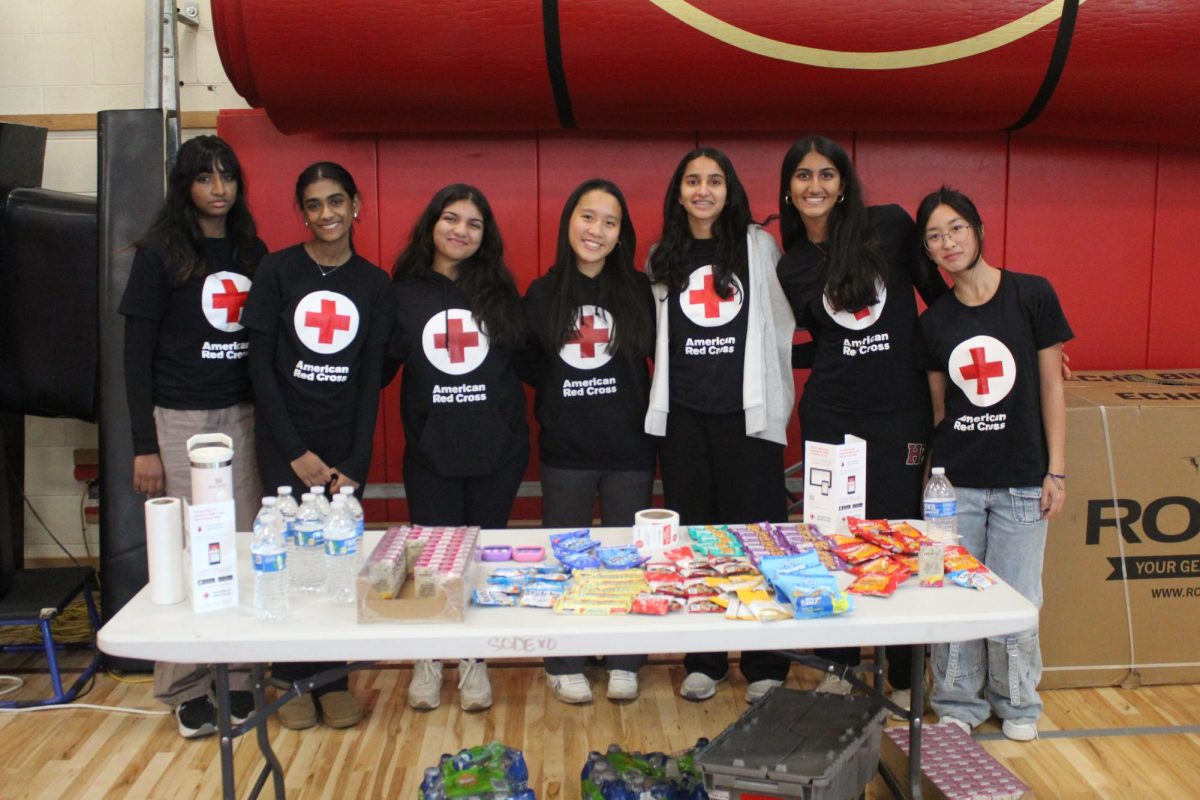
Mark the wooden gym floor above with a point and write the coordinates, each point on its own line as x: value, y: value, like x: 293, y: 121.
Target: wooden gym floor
x: 1110, y: 742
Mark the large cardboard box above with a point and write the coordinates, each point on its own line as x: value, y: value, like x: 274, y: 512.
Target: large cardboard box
x: 1122, y: 571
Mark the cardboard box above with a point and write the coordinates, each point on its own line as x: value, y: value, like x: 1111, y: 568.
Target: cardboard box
x: 835, y: 483
x: 425, y: 597
x: 1122, y: 572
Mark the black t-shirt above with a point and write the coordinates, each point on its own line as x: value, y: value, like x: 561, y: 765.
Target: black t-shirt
x: 322, y: 323
x: 992, y: 436
x: 461, y: 403
x: 591, y: 404
x: 199, y: 357
x: 864, y: 361
x: 707, y: 337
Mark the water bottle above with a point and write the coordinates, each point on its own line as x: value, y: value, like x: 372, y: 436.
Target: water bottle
x: 308, y: 571
x: 941, y: 508
x: 269, y: 554
x: 287, y: 510
x: 341, y: 555
x: 356, y: 513
x: 318, y: 493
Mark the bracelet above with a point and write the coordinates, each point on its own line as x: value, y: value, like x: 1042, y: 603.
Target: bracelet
x: 1057, y: 477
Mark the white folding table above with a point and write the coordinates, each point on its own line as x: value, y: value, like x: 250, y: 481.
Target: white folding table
x: 319, y: 630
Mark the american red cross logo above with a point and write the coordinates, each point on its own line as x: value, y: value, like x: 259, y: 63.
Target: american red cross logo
x: 326, y: 321
x: 980, y: 370
x: 456, y: 340
x: 708, y: 297
x: 589, y: 336
x: 230, y: 300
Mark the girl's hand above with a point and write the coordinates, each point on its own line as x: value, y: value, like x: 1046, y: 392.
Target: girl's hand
x: 1054, y: 495
x: 311, y: 470
x: 340, y: 480
x: 148, y: 475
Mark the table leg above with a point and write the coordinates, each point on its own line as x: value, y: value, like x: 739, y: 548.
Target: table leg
x: 225, y: 732
x: 273, y: 767
x: 916, y: 711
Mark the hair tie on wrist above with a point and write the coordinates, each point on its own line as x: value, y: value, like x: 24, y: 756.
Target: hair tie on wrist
x: 1053, y: 475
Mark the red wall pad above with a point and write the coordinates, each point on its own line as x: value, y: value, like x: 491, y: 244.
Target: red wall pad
x: 1075, y: 68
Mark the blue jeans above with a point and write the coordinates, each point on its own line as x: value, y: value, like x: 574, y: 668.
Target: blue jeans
x: 1005, y: 530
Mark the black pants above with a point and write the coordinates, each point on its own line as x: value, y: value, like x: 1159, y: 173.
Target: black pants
x: 568, y: 499
x: 713, y: 473
x: 333, y: 446
x: 483, y: 500
x: 896, y: 444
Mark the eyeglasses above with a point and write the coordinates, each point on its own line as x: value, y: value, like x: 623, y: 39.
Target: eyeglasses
x: 958, y: 233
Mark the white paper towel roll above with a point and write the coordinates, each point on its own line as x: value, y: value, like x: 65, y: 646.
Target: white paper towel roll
x: 164, y: 549
x: 655, y: 527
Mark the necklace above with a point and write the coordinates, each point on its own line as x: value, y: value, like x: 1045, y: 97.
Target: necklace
x: 326, y: 269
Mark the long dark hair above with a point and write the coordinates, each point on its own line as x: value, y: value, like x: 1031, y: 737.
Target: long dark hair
x: 483, y: 278
x: 331, y: 171
x: 962, y: 206
x: 729, y: 230
x: 620, y: 292
x: 853, y: 263
x: 176, y: 227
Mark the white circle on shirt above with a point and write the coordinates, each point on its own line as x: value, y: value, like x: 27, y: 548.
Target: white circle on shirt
x: 864, y: 317
x: 984, y: 368
x: 701, y: 303
x: 221, y: 299
x: 589, y: 348
x: 453, y: 342
x: 326, y: 321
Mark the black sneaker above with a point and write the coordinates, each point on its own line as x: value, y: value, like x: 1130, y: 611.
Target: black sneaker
x: 241, y: 706
x: 197, y: 718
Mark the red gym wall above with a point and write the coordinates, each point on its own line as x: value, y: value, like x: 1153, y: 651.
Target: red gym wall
x: 525, y: 100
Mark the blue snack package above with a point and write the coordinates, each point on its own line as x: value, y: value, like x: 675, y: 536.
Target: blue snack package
x: 572, y: 542
x: 583, y: 560
x: 623, y: 557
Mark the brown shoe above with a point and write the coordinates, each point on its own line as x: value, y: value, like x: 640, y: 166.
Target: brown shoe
x: 340, y: 709
x: 298, y: 713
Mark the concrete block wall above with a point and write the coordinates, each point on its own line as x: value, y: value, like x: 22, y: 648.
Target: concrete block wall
x: 79, y: 57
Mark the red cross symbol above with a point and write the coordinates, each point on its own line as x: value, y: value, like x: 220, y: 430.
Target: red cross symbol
x: 456, y: 340
x: 981, y: 369
x: 231, y: 300
x: 589, y: 336
x: 862, y: 313
x: 709, y: 297
x: 327, y: 320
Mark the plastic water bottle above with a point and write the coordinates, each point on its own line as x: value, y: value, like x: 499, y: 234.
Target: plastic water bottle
x: 360, y: 519
x: 308, y: 573
x: 341, y: 555
x: 318, y: 493
x: 269, y: 554
x: 941, y: 508
x: 288, y: 508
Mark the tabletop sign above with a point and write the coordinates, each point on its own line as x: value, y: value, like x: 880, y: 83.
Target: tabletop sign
x: 211, y: 556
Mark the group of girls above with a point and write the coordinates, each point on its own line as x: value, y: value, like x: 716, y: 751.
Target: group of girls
x: 715, y: 310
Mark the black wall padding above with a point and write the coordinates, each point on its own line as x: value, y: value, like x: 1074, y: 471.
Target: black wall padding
x: 22, y: 156
x: 48, y: 306
x: 11, y: 558
x: 130, y: 188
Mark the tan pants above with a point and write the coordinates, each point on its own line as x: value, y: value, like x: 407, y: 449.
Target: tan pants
x: 178, y: 683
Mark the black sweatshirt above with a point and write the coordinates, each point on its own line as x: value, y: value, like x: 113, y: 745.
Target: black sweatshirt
x: 461, y: 403
x: 316, y: 350
x: 590, y: 404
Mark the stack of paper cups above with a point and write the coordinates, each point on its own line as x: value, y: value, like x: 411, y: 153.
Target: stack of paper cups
x: 655, y: 527
x: 164, y: 549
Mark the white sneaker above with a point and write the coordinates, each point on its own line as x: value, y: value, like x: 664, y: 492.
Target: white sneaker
x: 622, y: 685
x: 961, y: 724
x: 832, y: 684
x: 698, y: 686
x: 756, y: 690
x: 572, y: 688
x: 1020, y: 730
x: 902, y: 698
x: 474, y: 689
x: 425, y: 689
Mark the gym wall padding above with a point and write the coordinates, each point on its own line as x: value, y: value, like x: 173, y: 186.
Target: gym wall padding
x: 48, y: 307
x: 130, y: 182
x: 1074, y: 68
